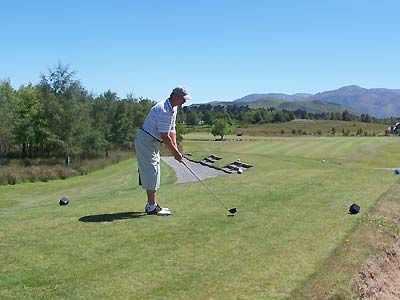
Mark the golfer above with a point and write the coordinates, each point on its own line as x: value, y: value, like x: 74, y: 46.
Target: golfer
x: 158, y: 127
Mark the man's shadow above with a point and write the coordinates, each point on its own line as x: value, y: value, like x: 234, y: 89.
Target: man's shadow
x: 112, y: 217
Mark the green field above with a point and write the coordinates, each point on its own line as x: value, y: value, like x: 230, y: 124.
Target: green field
x: 291, y: 223
x: 301, y: 127
x: 315, y: 127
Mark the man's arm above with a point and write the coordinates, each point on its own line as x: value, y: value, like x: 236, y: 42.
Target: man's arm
x: 172, y: 134
x: 169, y: 138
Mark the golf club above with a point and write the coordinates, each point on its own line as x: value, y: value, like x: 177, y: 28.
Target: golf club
x: 232, y: 210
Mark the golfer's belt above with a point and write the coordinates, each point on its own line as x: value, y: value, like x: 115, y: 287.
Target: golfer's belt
x: 141, y: 128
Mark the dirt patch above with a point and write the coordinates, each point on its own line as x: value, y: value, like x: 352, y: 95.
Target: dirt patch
x: 380, y: 278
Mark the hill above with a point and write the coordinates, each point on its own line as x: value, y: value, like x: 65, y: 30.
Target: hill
x: 255, y: 97
x: 377, y: 102
x: 311, y: 106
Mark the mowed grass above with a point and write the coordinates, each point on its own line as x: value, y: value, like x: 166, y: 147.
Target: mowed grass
x: 292, y: 217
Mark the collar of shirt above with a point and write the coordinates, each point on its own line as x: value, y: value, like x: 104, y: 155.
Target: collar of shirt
x: 169, y: 105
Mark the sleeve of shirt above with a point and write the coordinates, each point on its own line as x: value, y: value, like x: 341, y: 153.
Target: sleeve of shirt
x: 165, y: 121
x: 173, y: 125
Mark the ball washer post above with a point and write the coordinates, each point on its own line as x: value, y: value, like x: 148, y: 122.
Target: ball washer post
x: 232, y: 210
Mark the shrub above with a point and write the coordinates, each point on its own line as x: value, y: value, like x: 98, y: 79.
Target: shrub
x: 30, y: 174
x: 12, y: 179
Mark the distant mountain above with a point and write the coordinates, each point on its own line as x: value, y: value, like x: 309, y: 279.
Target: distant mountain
x: 377, y: 102
x: 255, y: 97
x: 311, y: 106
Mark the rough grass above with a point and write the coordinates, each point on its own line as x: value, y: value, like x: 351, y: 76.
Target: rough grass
x: 33, y: 170
x: 292, y: 218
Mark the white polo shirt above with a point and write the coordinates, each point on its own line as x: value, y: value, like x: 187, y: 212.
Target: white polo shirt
x: 161, y: 118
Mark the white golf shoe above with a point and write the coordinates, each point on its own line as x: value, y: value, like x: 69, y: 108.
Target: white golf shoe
x: 157, y: 210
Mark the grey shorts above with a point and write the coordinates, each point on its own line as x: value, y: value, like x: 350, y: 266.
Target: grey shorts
x: 148, y: 157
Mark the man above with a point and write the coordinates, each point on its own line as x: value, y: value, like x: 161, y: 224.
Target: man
x: 158, y: 127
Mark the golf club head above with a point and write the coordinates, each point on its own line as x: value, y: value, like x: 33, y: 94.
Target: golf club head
x: 233, y: 210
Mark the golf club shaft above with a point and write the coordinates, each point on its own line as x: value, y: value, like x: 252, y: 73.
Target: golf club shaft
x: 198, y: 178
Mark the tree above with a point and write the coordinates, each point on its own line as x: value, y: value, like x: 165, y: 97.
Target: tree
x: 7, y: 117
x: 345, y: 116
x: 101, y: 124
x: 180, y: 130
x: 63, y: 99
x: 30, y: 126
x: 278, y: 117
x: 58, y: 79
x: 122, y: 128
x: 192, y: 118
x: 221, y: 128
x: 259, y: 117
x: 208, y: 117
x: 365, y: 118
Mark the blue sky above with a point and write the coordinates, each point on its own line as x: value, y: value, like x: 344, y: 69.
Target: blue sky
x: 220, y: 50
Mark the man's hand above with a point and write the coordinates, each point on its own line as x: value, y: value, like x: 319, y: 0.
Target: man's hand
x: 178, y: 156
x: 171, y: 144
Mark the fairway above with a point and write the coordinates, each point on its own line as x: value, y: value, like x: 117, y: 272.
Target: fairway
x: 292, y: 216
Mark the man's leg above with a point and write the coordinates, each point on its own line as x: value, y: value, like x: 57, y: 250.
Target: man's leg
x: 152, y: 207
x: 151, y: 197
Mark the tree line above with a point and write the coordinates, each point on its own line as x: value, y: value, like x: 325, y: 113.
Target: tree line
x: 223, y: 118
x: 208, y: 114
x: 59, y: 118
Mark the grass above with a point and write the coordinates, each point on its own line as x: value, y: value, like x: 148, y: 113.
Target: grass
x: 292, y: 218
x: 312, y: 127
x: 337, y: 277
x: 299, y: 127
x: 32, y: 170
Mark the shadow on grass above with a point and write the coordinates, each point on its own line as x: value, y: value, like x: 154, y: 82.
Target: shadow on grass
x: 112, y: 217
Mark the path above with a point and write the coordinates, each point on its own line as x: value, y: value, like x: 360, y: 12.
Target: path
x: 184, y: 175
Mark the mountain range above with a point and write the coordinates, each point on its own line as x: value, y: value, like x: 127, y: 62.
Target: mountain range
x: 377, y: 102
